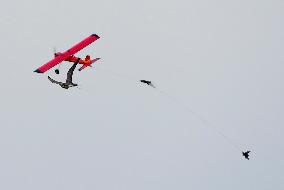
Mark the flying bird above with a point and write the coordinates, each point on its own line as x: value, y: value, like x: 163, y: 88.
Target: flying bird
x: 69, y: 83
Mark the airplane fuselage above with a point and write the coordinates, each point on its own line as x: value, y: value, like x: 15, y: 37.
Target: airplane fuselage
x: 86, y: 61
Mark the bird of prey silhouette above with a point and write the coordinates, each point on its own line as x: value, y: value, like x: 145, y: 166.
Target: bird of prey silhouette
x: 68, y: 82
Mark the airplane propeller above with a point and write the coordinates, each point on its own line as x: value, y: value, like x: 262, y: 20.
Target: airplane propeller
x: 54, y: 52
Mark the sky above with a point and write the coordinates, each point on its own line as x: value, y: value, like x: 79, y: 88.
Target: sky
x: 221, y: 59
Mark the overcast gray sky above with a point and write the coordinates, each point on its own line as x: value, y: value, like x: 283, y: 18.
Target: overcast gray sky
x: 223, y: 59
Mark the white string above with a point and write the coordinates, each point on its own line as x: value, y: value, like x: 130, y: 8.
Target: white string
x: 205, y: 122
x: 200, y: 117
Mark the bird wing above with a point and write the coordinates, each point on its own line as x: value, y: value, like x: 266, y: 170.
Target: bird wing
x: 70, y: 72
x: 54, y: 81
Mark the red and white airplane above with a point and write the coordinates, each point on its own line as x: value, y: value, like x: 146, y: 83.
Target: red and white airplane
x: 69, y: 56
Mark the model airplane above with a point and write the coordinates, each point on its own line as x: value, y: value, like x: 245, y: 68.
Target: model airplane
x: 69, y: 56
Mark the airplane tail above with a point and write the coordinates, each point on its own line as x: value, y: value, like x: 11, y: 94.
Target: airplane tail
x: 89, y: 65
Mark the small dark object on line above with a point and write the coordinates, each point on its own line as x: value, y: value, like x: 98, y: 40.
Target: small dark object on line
x: 246, y: 154
x: 147, y: 82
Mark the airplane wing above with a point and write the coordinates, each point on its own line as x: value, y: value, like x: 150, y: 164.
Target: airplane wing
x: 68, y: 53
x: 52, y: 63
